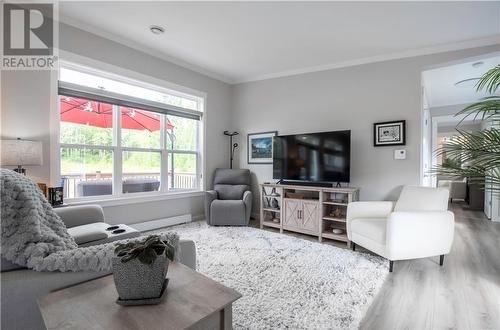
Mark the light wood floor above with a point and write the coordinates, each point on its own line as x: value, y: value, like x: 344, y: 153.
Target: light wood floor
x: 463, y: 294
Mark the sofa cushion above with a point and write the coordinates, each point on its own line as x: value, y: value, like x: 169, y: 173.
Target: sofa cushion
x: 226, y: 191
x: 79, y: 215
x: 140, y: 185
x: 231, y: 176
x: 227, y: 211
x: 94, y: 188
x: 372, y: 228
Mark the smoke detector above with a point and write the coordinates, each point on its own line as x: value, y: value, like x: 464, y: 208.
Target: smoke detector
x: 477, y: 64
x: 155, y: 29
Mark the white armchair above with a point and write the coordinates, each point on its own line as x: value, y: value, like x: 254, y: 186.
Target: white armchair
x: 418, y: 226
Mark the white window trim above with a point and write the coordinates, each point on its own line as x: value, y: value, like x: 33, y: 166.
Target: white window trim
x: 55, y: 145
x: 132, y: 198
x: 87, y: 65
x: 149, y: 105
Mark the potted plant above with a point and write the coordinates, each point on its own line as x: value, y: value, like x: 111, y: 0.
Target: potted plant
x: 140, y: 268
x: 476, y: 156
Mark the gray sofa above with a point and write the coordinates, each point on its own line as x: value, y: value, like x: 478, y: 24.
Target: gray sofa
x: 230, y: 202
x: 104, y: 187
x: 21, y: 287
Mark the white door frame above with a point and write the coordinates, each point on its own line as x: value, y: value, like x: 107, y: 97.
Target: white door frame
x: 491, y: 201
x: 426, y: 152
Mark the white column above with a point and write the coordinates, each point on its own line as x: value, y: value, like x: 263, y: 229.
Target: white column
x: 117, y: 152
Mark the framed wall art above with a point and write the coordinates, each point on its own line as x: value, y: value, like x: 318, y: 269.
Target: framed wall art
x: 390, y: 133
x: 260, y: 147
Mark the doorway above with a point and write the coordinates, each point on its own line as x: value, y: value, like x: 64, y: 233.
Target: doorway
x: 446, y: 90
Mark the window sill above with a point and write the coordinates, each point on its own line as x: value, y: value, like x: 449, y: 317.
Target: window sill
x: 134, y: 198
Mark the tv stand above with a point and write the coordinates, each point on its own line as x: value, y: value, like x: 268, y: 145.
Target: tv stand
x: 306, y: 209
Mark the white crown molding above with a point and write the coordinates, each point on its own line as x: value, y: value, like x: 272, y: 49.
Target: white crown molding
x: 145, y: 49
x: 489, y: 41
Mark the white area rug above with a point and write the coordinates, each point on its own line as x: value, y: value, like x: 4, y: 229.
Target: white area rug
x: 286, y: 282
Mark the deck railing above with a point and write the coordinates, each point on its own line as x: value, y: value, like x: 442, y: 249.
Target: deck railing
x: 180, y: 180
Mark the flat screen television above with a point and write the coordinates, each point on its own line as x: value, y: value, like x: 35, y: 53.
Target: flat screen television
x: 314, y: 157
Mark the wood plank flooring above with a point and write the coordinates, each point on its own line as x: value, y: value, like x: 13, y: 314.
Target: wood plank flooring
x: 463, y: 294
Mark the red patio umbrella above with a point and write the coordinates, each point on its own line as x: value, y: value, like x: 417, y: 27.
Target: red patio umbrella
x: 97, y: 114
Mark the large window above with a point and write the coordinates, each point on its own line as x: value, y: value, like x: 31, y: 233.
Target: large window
x: 141, y: 141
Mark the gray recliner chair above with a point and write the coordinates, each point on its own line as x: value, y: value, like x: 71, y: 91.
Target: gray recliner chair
x: 230, y: 203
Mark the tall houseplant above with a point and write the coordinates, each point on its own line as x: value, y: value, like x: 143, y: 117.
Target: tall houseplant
x: 477, y: 152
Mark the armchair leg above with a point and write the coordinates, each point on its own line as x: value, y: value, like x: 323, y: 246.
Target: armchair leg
x: 441, y: 260
x: 391, y: 265
x: 353, y: 245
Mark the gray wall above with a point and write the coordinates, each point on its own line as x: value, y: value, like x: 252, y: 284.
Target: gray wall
x: 138, y: 212
x: 26, y: 109
x: 25, y: 103
x: 348, y: 98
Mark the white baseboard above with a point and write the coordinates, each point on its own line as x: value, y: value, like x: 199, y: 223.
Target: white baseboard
x: 160, y: 223
x: 198, y: 217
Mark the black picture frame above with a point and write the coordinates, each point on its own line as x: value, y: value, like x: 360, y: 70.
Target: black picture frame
x: 394, y: 135
x: 267, y: 160
x: 55, y: 195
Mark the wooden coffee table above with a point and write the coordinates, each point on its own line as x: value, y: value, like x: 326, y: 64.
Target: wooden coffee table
x: 192, y: 301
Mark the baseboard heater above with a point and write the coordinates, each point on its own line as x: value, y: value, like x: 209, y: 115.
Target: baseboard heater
x: 161, y: 223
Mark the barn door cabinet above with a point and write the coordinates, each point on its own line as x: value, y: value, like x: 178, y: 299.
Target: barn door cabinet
x: 301, y: 216
x: 308, y: 210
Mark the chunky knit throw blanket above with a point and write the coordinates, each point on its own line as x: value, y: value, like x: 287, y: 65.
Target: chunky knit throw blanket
x: 34, y: 236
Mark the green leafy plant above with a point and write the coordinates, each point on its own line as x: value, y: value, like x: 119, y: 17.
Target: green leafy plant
x: 451, y: 162
x: 146, y: 251
x: 478, y: 152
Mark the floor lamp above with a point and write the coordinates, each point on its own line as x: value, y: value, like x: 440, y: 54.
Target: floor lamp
x: 232, y: 146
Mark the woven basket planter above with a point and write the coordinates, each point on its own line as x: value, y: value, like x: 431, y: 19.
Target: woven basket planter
x: 135, y: 280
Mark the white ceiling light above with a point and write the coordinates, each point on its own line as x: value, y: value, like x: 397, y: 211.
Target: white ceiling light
x: 156, y: 29
x: 470, y: 82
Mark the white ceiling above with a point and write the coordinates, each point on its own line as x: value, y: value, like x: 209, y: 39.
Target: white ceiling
x: 439, y: 84
x: 244, y: 41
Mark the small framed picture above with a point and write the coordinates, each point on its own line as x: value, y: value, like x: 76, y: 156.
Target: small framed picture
x: 55, y: 196
x: 260, y: 147
x: 390, y: 133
